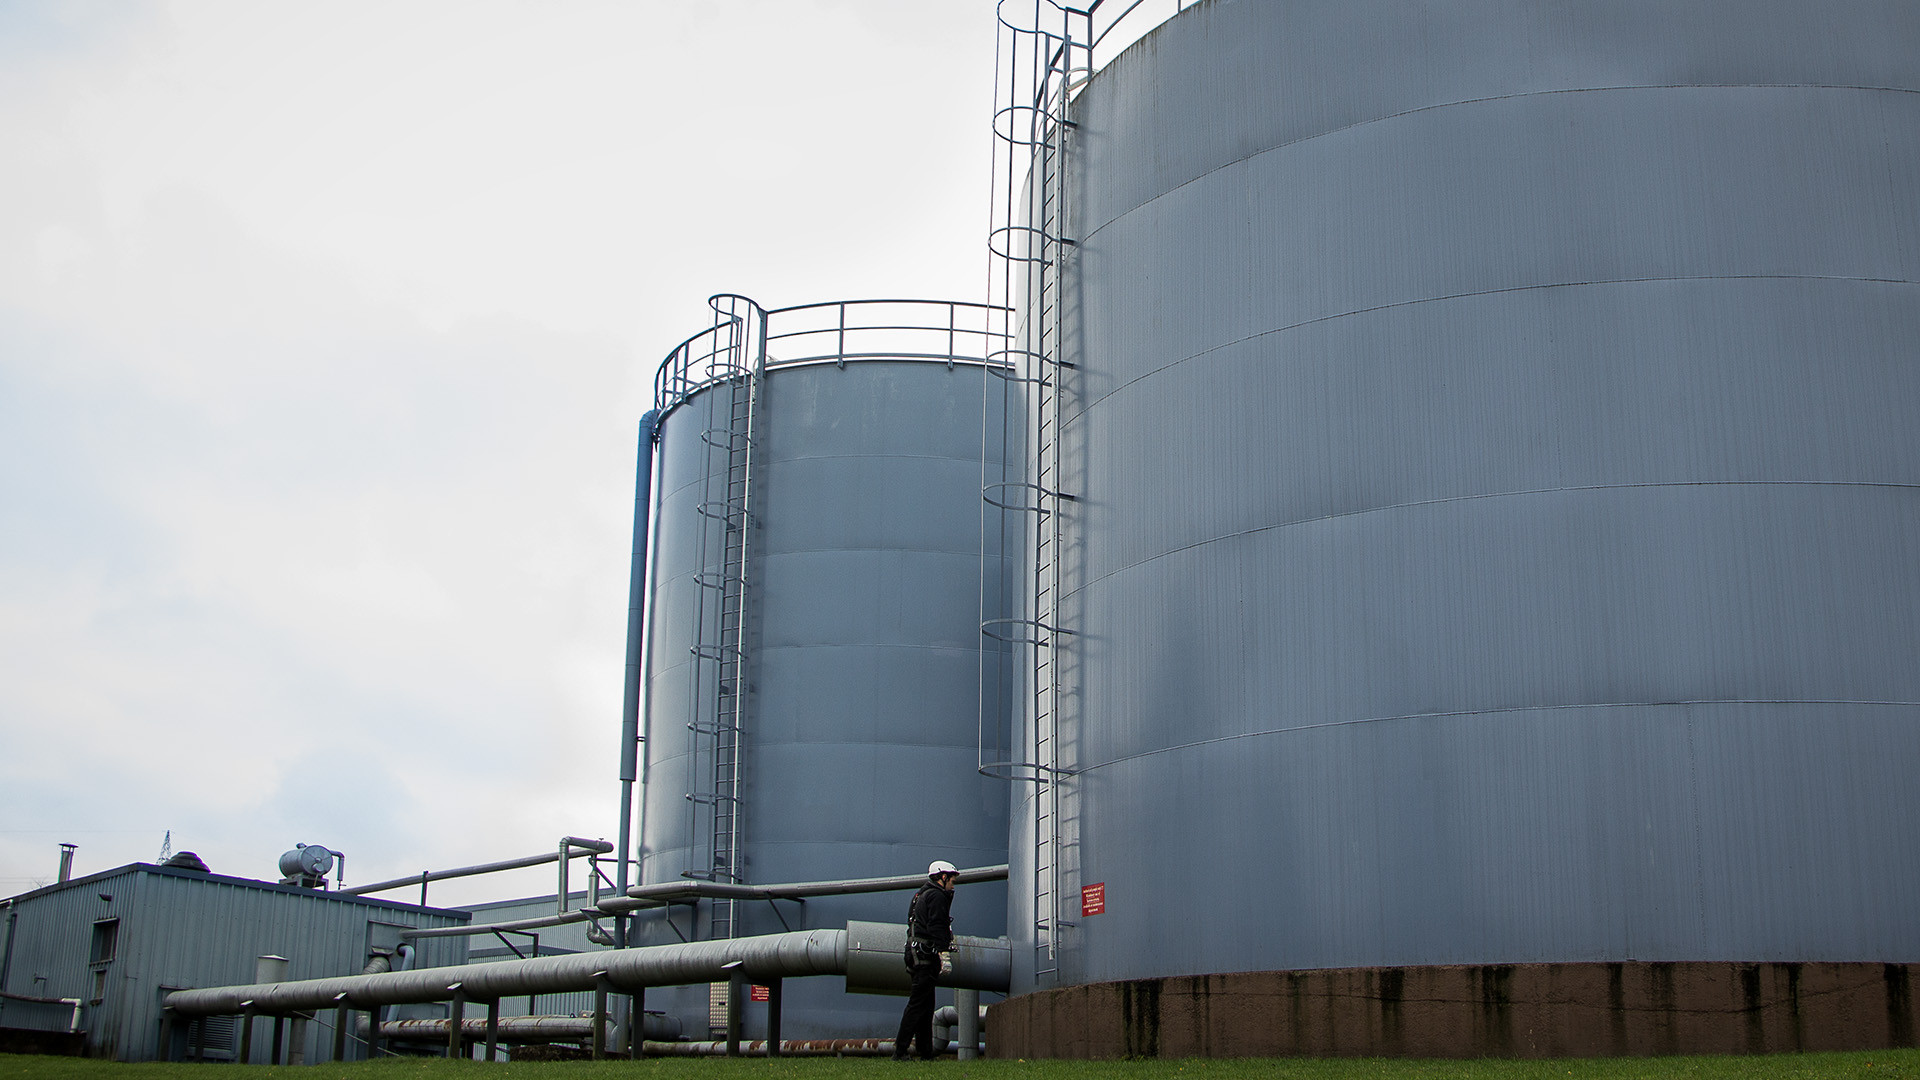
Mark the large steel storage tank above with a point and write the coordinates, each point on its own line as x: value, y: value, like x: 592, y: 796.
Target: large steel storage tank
x: 1497, y: 521
x: 812, y: 697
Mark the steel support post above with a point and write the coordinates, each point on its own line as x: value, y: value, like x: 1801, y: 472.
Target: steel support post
x: 773, y: 1016
x: 736, y: 1004
x: 493, y: 1027
x: 967, y: 1030
x: 456, y: 1016
x: 637, y: 1025
x: 279, y: 1045
x: 600, y: 988
x: 373, y: 1032
x: 166, y: 1035
x: 533, y: 1000
x: 246, y: 1033
x: 197, y: 1035
x: 342, y: 1016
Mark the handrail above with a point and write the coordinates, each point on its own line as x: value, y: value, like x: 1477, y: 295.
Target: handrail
x: 951, y: 332
x: 1119, y: 19
x: 573, y: 847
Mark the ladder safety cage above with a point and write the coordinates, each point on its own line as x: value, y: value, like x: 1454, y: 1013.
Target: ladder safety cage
x: 717, y: 697
x: 1044, y: 53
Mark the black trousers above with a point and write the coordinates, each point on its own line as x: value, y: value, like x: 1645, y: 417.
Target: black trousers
x: 917, y: 1021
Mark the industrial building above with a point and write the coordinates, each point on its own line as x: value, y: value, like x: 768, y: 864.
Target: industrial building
x: 1417, y: 554
x: 96, y: 956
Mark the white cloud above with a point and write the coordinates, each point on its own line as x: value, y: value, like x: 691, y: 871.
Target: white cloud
x: 323, y: 334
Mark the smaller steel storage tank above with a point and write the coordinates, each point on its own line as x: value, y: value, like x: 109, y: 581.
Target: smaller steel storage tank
x: 813, y: 698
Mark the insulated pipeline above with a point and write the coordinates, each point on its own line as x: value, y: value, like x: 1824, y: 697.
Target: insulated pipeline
x: 868, y: 954
x: 773, y: 956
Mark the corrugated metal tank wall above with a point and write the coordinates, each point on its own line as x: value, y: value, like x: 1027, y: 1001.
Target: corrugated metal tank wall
x: 1500, y: 530
x: 861, y: 744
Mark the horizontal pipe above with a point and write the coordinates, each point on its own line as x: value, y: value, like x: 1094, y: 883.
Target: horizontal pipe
x: 512, y: 1029
x: 806, y: 952
x: 979, y: 963
x: 40, y: 1000
x: 579, y: 847
x: 946, y: 1019
x: 668, y: 892
x: 788, y: 1048
x: 474, y: 929
x: 516, y: 1029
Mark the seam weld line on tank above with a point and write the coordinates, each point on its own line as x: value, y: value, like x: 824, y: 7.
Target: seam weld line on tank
x: 1493, y: 495
x: 1095, y: 231
x: 1496, y: 712
x: 971, y: 554
x: 971, y: 462
x: 1211, y: 349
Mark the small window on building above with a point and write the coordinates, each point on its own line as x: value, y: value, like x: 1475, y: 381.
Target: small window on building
x: 106, y: 940
x: 99, y: 985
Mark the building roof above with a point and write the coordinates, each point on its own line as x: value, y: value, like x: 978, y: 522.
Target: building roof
x: 247, y: 883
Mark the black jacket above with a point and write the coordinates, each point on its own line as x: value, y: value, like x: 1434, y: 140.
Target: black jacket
x: 928, y: 919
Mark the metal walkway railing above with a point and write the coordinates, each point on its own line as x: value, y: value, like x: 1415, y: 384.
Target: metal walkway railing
x: 939, y: 331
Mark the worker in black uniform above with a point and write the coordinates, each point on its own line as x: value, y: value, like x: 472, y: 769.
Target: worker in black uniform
x: 929, y: 937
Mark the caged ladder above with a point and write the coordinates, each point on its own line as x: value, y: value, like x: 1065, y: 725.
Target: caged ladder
x: 1039, y: 68
x: 719, y: 697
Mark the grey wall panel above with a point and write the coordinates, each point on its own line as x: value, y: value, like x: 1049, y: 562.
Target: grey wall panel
x: 872, y: 596
x: 1509, y: 195
x: 1509, y: 393
x: 1577, y: 598
x: 1527, y: 836
x: 861, y: 743
x: 1204, y: 91
x: 1497, y: 503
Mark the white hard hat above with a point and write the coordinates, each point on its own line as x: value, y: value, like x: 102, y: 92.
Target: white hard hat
x: 940, y: 866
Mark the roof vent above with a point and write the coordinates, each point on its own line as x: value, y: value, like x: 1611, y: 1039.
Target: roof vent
x: 186, y: 860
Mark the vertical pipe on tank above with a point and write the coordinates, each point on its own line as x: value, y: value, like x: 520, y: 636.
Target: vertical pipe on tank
x: 630, y: 697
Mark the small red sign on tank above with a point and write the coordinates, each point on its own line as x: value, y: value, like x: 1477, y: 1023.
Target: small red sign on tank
x: 759, y: 993
x: 1093, y: 899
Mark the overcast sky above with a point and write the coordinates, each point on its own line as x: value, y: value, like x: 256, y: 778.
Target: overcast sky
x: 324, y: 333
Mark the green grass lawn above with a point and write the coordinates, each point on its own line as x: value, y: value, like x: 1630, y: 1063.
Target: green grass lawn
x: 1872, y: 1065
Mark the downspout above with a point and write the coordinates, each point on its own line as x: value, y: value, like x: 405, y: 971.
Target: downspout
x: 636, y: 633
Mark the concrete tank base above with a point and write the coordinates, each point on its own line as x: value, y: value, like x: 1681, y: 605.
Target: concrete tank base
x: 1508, y: 1010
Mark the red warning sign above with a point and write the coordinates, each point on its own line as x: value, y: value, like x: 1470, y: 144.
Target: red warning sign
x: 759, y: 993
x: 1093, y: 899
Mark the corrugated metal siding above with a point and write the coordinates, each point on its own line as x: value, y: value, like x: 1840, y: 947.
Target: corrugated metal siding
x: 180, y: 930
x: 569, y: 938
x: 1499, y: 528
x: 861, y: 754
